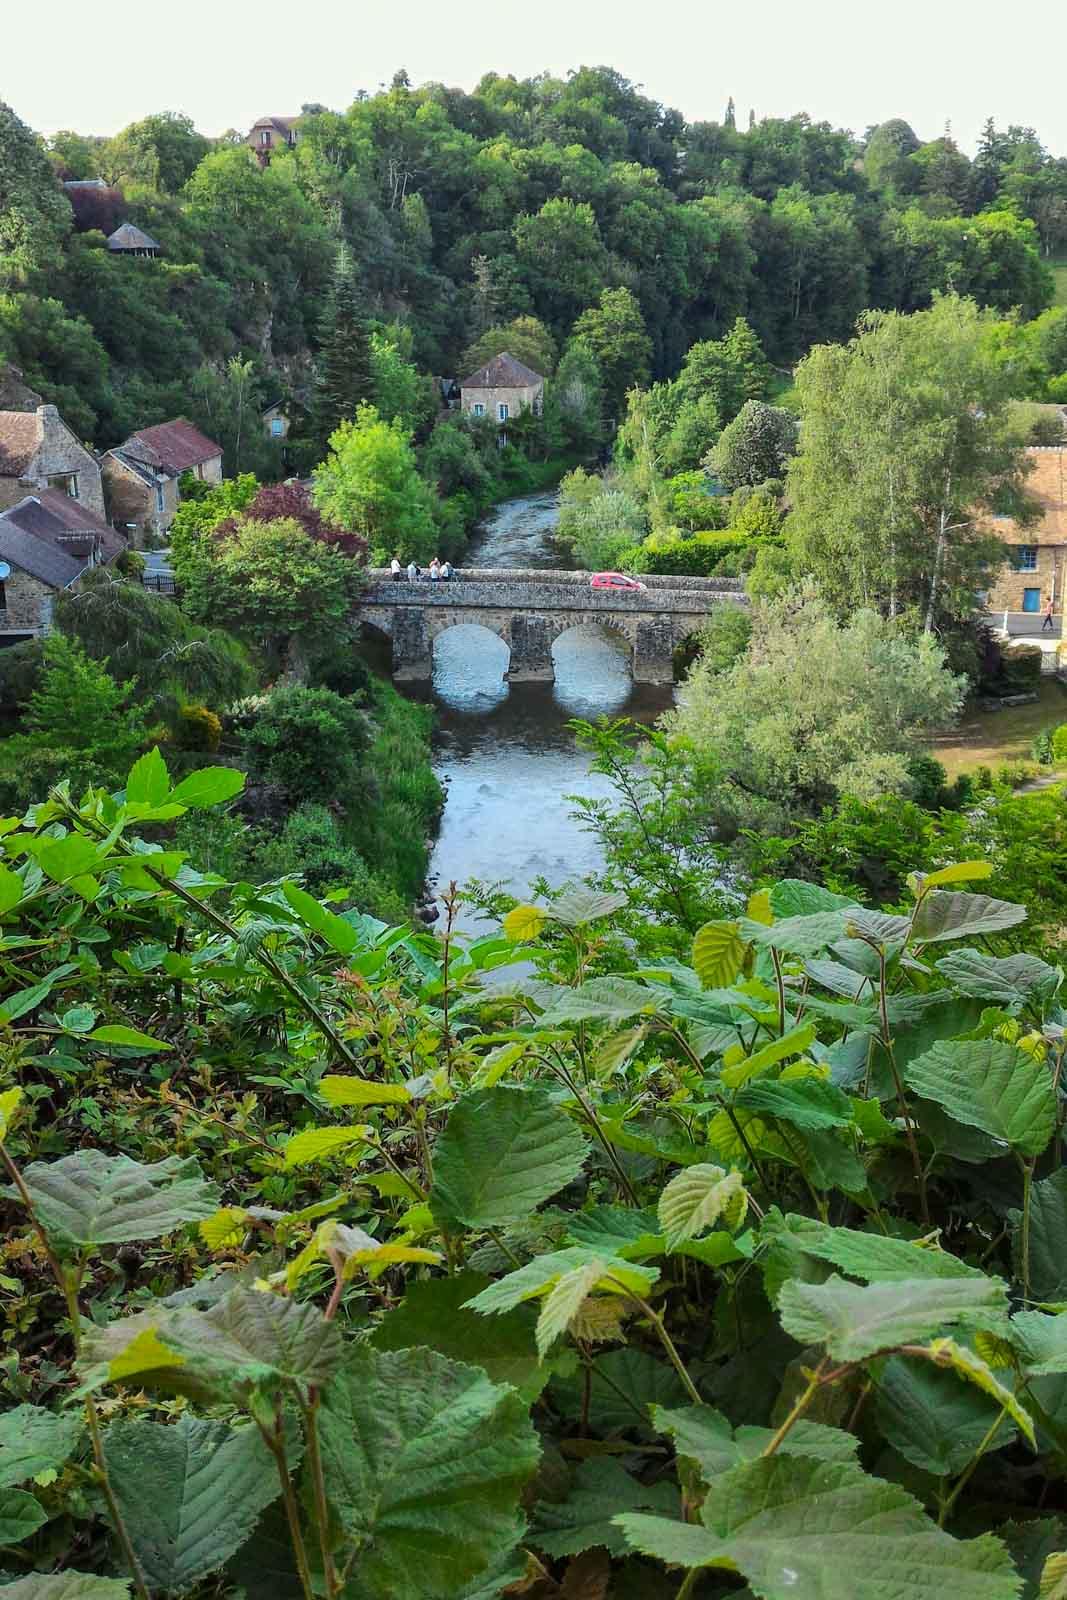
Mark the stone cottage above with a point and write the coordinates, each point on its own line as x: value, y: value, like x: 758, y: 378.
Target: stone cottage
x: 38, y: 451
x: 502, y: 389
x: 141, y: 475
x: 1035, y: 569
x: 47, y: 541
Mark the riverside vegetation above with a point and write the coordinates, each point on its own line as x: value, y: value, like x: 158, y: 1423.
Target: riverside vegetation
x: 332, y: 1270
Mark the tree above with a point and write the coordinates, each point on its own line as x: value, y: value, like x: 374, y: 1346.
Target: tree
x: 291, y: 501
x: 369, y: 484
x: 148, y: 639
x: 906, y: 440
x: 401, y: 392
x: 813, y: 710
x: 885, y: 159
x: 77, y: 705
x: 309, y: 741
x: 526, y: 338
x: 160, y: 152
x: 227, y: 401
x: 563, y: 259
x: 614, y: 331
x: 34, y: 213
x: 271, y: 583
x: 758, y: 444
x: 575, y: 397
x: 344, y: 370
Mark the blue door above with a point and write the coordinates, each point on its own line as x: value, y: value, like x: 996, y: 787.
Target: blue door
x: 1031, y: 599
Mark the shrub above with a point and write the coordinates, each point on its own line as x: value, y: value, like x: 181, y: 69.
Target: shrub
x: 698, y: 555
x: 1059, y: 743
x: 1020, y: 668
x: 338, y: 665
x: 20, y: 671
x: 197, y: 728
x: 312, y: 845
x: 310, y: 742
x: 928, y: 779
x: 1041, y: 749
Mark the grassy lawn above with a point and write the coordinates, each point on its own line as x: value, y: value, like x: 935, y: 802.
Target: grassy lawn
x: 986, y: 738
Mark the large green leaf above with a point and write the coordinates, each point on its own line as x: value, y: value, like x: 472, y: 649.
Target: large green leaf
x: 343, y: 937
x: 21, y: 1514
x: 246, y: 1340
x: 600, y: 1491
x: 931, y: 1416
x: 67, y: 1586
x: 853, y: 1323
x: 797, y: 936
x: 705, y: 1437
x: 579, y: 906
x: 718, y: 954
x: 1041, y: 1341
x: 189, y: 1494
x: 209, y: 786
x: 696, y: 1198
x: 872, y: 1256
x: 539, y: 1276
x: 953, y: 914
x: 34, y: 1440
x: 425, y: 1460
x: 795, y: 897
x: 1048, y: 1237
x: 806, y: 1103
x: 990, y: 1086
x: 148, y: 783
x: 624, y: 1386
x: 433, y: 1313
x: 1005, y: 979
x: 90, y: 1198
x: 795, y: 1527
x: 503, y: 1151
x: 613, y: 1000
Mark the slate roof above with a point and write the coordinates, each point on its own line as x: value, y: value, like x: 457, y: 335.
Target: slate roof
x: 171, y: 447
x: 283, y: 124
x: 62, y: 527
x: 503, y: 372
x: 20, y: 436
x: 127, y: 236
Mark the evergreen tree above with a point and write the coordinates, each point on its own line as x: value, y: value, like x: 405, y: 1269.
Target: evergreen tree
x: 730, y: 119
x: 345, y: 378
x: 77, y: 705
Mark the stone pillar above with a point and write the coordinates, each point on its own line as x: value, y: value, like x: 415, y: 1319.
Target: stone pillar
x: 412, y: 644
x: 654, y: 651
x: 531, y: 650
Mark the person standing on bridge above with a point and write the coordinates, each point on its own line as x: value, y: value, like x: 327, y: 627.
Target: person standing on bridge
x: 394, y: 568
x: 446, y: 571
x: 435, y: 570
x: 1050, y: 612
x: 413, y: 572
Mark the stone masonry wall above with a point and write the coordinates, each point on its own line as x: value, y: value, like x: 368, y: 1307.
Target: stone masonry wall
x: 25, y: 596
x: 60, y: 454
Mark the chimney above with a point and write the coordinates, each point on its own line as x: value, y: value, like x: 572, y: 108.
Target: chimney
x: 47, y: 412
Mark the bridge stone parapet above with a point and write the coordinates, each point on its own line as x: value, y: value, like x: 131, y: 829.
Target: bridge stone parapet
x: 530, y: 609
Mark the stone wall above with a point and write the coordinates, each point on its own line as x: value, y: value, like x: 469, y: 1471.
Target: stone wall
x: 526, y: 398
x: 60, y: 455
x: 26, y: 609
x: 131, y: 500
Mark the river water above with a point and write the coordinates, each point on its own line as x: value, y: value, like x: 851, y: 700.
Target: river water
x: 504, y: 751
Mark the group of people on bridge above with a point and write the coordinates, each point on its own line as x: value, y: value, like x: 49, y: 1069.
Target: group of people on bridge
x: 438, y: 571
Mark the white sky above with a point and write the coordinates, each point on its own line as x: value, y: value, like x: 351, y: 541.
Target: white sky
x: 95, y: 67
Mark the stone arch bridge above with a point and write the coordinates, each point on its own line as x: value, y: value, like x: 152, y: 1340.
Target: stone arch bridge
x: 529, y: 610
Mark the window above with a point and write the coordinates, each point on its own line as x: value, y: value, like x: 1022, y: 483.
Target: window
x: 502, y: 411
x: 66, y: 483
x: 264, y: 136
x: 160, y: 503
x: 277, y: 427
x: 1026, y: 558
x: 478, y: 409
x: 3, y: 599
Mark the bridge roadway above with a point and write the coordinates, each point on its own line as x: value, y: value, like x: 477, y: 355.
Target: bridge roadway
x: 530, y: 609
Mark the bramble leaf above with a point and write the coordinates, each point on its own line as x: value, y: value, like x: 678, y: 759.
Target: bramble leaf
x: 189, y: 1493
x: 854, y: 1323
x: 541, y: 1274
x: 990, y: 1086
x: 933, y: 1417
x: 947, y: 1353
x: 34, y: 1440
x: 21, y: 1514
x: 502, y: 1153
x: 90, y: 1198
x: 425, y: 1460
x: 315, y: 1144
x: 68, y: 1586
x: 434, y: 1313
x: 345, y: 1090
x: 132, y: 1037
x: 209, y: 786
x: 564, y: 1301
x: 148, y: 783
x: 601, y: 1489
x: 338, y: 933
x: 696, y: 1198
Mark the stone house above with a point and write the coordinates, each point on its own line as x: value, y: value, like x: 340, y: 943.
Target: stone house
x: 141, y: 475
x: 276, y: 421
x: 270, y: 134
x: 503, y: 389
x: 1036, y: 565
x: 47, y: 541
x: 38, y: 451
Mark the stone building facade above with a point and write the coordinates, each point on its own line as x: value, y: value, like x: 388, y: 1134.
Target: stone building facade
x: 1035, y: 570
x: 140, y: 499
x: 39, y: 451
x: 47, y: 542
x: 504, y: 388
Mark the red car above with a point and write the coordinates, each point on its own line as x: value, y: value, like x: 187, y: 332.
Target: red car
x: 615, y: 580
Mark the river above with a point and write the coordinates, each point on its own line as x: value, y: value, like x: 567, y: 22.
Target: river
x: 503, y: 751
